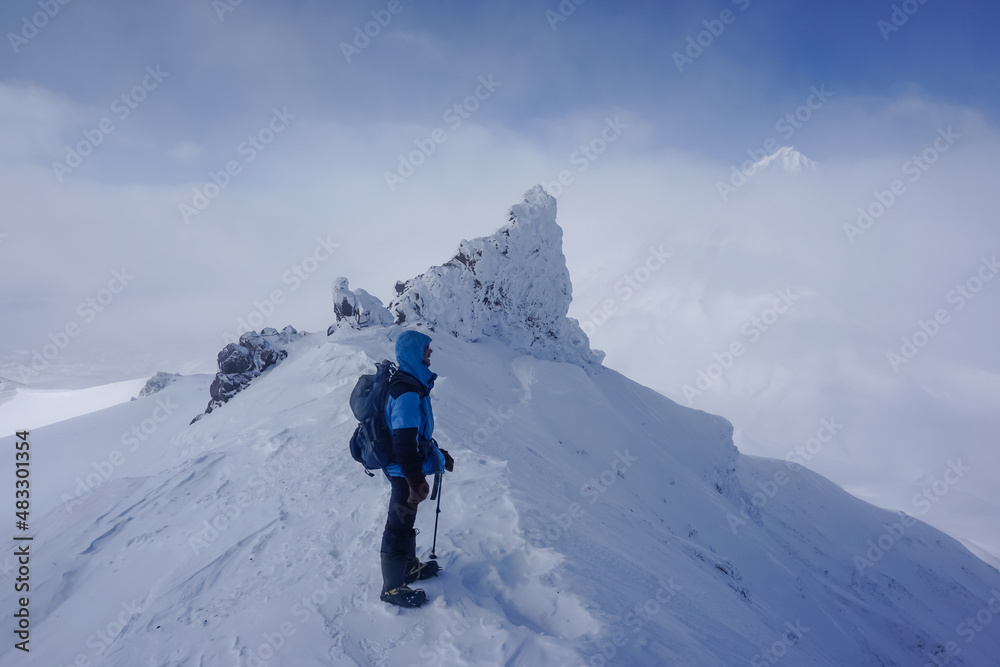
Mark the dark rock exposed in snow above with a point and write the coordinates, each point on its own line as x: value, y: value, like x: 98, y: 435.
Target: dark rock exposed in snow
x: 513, y: 286
x: 156, y: 383
x: 356, y: 308
x: 240, y: 363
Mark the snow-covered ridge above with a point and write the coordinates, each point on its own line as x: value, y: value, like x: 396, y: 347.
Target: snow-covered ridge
x: 512, y: 286
x: 157, y: 383
x: 589, y: 521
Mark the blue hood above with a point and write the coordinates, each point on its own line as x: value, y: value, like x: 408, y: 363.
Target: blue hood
x: 410, y: 356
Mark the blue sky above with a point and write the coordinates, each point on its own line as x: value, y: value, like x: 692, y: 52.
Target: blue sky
x: 604, y: 55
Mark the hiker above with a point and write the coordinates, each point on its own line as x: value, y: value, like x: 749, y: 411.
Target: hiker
x: 415, y: 455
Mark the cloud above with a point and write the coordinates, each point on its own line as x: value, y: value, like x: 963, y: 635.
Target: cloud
x: 32, y: 120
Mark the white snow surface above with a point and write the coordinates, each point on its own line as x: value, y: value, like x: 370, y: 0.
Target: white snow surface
x: 787, y: 159
x: 589, y: 521
x: 512, y: 286
x: 24, y: 407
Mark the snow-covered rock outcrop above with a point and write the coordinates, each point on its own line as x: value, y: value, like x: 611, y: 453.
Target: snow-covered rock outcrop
x: 240, y: 363
x: 157, y: 383
x: 356, y: 308
x: 512, y: 286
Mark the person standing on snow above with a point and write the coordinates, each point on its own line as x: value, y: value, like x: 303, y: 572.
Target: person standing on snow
x: 415, y: 455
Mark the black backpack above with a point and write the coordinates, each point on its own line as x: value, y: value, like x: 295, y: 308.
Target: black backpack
x: 371, y: 444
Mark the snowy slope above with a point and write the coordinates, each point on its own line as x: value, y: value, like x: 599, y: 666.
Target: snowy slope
x: 132, y: 438
x: 268, y: 527
x: 589, y: 521
x: 23, y: 407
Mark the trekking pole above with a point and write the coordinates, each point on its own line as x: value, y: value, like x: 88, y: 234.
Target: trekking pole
x: 434, y: 544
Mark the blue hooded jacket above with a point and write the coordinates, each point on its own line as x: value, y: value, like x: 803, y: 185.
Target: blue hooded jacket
x: 409, y: 409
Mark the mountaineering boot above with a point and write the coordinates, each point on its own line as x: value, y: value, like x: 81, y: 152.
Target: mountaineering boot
x: 422, y: 571
x: 414, y: 568
x: 404, y: 596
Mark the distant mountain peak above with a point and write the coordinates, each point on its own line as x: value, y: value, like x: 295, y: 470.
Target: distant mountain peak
x: 512, y: 286
x: 787, y: 159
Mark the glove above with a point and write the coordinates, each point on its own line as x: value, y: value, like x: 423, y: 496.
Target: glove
x: 419, y: 489
x: 449, y: 463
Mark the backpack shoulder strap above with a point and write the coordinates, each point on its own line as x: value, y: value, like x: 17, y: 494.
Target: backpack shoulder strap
x: 402, y: 382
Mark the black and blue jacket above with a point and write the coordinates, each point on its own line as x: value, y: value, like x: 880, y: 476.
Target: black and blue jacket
x: 408, y: 411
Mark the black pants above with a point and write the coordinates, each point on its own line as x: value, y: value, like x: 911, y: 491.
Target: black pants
x: 399, y: 539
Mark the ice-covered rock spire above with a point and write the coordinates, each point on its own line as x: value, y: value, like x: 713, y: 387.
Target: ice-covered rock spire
x: 512, y: 286
x: 356, y: 308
